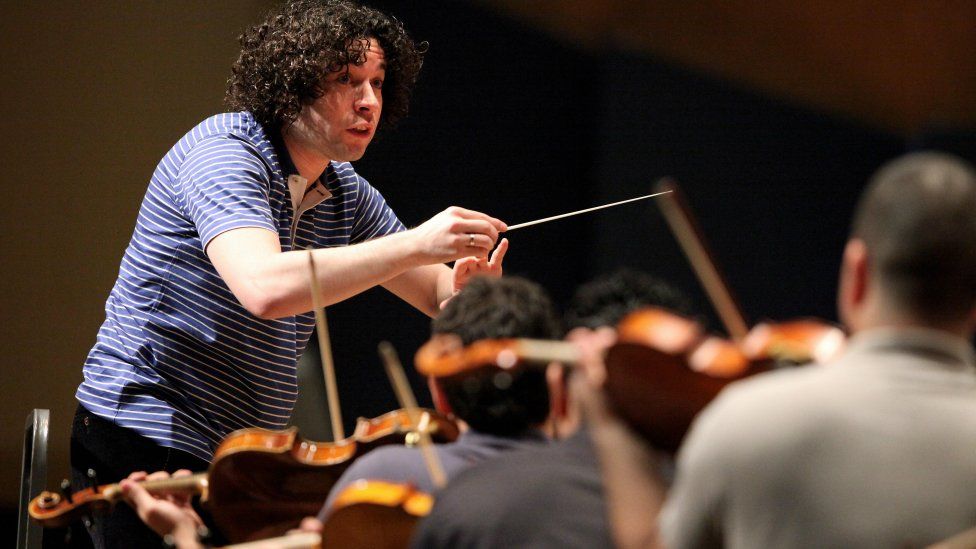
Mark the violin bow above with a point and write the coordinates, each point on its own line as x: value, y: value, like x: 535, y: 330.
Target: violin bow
x: 325, y: 350
x: 407, y: 401
x: 692, y: 241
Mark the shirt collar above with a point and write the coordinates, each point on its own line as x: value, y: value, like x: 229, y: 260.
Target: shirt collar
x: 285, y: 162
x: 327, y: 185
x: 472, y: 436
x: 926, y: 341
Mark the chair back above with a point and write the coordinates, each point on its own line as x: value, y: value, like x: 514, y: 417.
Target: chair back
x: 33, y: 476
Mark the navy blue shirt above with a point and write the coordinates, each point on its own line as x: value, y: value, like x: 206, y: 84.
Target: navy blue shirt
x: 178, y: 358
x: 406, y: 465
x: 540, y: 497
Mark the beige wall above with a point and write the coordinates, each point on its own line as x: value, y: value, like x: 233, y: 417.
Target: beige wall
x: 93, y: 94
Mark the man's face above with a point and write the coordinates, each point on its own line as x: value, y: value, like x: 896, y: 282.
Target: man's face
x: 340, y: 124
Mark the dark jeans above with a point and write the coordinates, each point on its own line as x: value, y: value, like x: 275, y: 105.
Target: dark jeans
x: 114, y: 452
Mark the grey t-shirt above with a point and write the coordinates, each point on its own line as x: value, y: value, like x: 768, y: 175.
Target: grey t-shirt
x: 877, y: 449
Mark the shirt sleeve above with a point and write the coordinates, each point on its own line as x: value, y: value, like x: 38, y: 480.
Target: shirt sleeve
x: 374, y: 217
x: 223, y: 184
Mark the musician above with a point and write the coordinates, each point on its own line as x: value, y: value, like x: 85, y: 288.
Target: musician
x: 211, y: 308
x: 872, y: 450
x: 550, y: 496
x: 503, y: 411
x: 499, y: 418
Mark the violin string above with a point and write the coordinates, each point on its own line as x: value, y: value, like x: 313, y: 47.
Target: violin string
x: 408, y: 402
x: 577, y: 212
x: 325, y: 351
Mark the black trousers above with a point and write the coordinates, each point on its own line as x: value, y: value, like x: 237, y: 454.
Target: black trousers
x: 114, y: 452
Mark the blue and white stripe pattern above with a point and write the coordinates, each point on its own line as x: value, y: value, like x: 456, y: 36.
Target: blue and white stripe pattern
x: 178, y: 359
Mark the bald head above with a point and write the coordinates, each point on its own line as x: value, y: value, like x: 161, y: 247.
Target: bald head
x: 917, y: 220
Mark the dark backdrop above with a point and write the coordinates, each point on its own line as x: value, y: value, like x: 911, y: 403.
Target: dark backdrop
x: 506, y: 120
x: 517, y: 124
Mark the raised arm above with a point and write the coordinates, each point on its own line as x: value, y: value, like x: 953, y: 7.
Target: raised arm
x: 272, y: 284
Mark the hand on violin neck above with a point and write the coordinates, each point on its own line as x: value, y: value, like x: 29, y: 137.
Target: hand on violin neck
x: 591, y: 403
x: 592, y: 344
x: 167, y: 515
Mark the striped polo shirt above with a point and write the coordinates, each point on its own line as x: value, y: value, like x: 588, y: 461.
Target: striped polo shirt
x: 178, y: 358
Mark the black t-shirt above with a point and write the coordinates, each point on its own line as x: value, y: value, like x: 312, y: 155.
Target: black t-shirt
x: 541, y: 497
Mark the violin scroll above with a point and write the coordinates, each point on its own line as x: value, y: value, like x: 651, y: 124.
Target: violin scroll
x: 445, y: 355
x: 53, y: 510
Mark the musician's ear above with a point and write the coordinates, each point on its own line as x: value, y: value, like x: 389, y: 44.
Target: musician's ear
x: 853, y: 287
x: 440, y: 399
x: 561, y: 420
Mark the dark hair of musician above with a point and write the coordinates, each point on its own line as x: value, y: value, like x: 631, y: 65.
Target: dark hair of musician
x: 605, y: 300
x: 918, y: 222
x: 284, y: 60
x: 490, y: 400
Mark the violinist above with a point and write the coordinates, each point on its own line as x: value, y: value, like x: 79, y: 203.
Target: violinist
x: 550, y: 496
x: 499, y: 418
x: 212, y: 309
x: 874, y: 449
x: 503, y: 411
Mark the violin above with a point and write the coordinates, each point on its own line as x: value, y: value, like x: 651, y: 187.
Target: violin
x: 265, y: 482
x: 378, y: 514
x: 664, y: 369
x: 444, y: 355
x: 661, y: 371
x: 792, y: 342
x: 261, y: 483
x: 372, y: 514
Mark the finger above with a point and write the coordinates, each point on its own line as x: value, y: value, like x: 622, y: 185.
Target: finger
x: 310, y: 524
x: 158, y: 475
x: 465, y: 264
x: 472, y: 245
x: 462, y: 271
x: 499, y: 254
x: 479, y: 244
x: 137, y: 476
x: 181, y: 499
x: 475, y: 226
x: 498, y: 224
x: 136, y: 495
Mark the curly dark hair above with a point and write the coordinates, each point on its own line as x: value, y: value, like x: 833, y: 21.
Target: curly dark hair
x: 605, y: 300
x: 284, y: 59
x: 503, y: 403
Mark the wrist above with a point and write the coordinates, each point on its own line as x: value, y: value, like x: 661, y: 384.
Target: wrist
x: 408, y: 248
